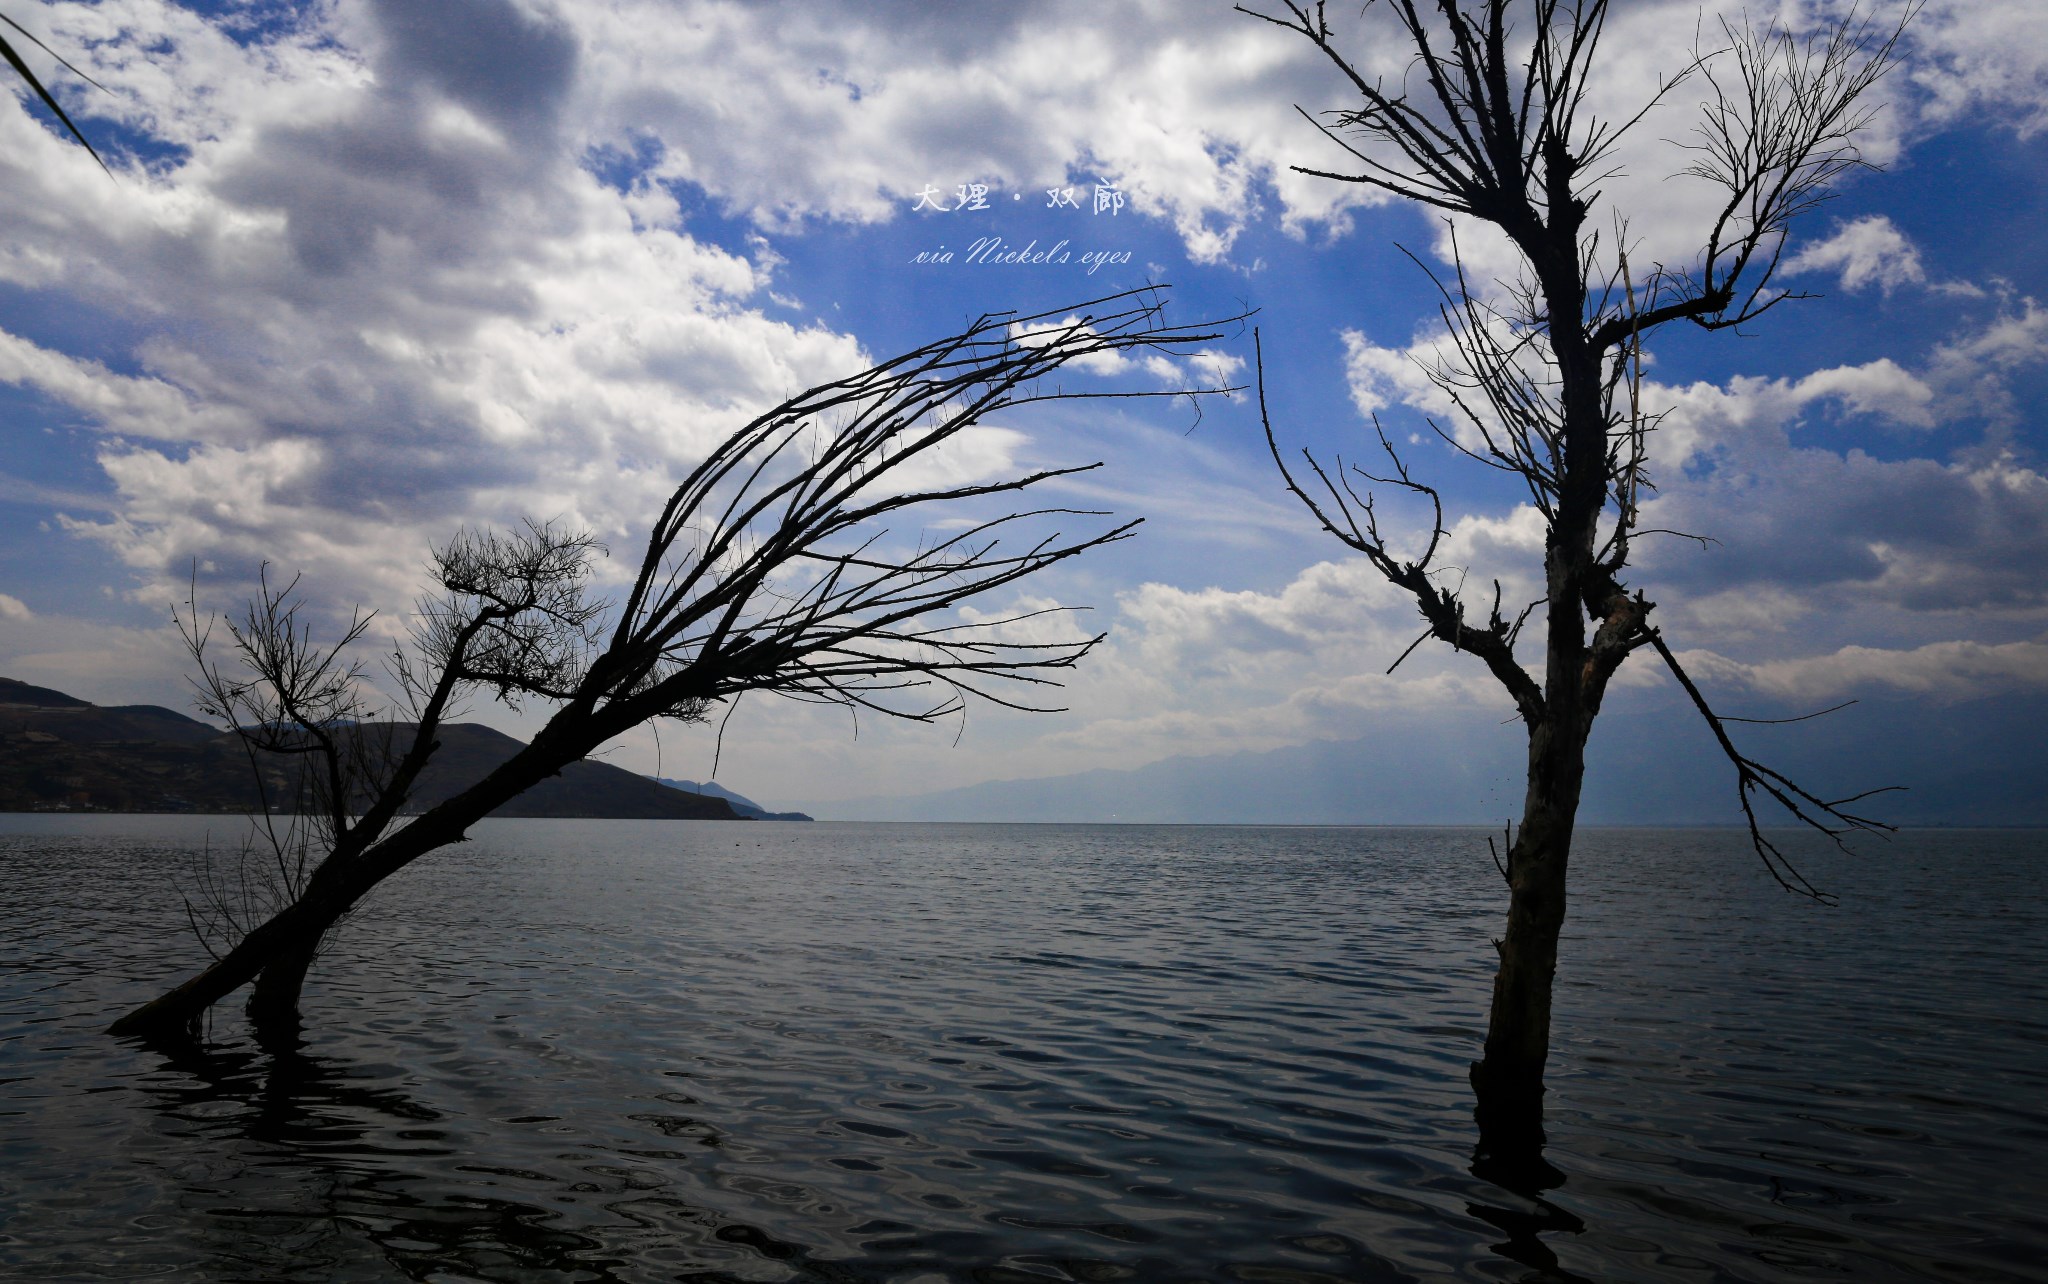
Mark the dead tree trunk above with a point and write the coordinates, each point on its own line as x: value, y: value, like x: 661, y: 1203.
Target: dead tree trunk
x: 274, y: 996
x: 1508, y: 1079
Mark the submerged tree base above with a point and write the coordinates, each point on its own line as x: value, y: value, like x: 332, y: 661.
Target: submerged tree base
x: 1509, y: 1113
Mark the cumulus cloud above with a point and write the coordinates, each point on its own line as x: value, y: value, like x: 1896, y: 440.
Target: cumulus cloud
x: 1924, y: 534
x: 1915, y: 534
x: 1735, y: 420
x: 1193, y: 670
x: 1738, y: 614
x: 1864, y: 252
x: 1701, y: 415
x: 1969, y: 56
x: 1181, y: 671
x: 13, y: 608
x: 380, y: 296
x: 1214, y: 368
x: 123, y: 404
x: 1733, y: 462
x: 789, y: 112
x: 795, y: 112
x: 1070, y: 333
x: 383, y: 289
x: 1380, y: 376
x: 1212, y: 669
x: 395, y: 267
x: 1947, y: 671
x: 1975, y: 372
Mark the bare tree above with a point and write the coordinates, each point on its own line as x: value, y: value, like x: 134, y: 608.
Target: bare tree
x: 1493, y: 124
x: 771, y: 568
x: 303, y: 718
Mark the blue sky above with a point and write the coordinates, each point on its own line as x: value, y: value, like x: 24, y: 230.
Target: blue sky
x: 367, y: 271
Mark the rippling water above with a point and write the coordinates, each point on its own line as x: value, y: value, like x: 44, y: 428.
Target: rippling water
x: 577, y: 1050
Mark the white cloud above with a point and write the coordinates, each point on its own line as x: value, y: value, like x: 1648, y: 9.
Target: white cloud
x: 13, y: 608
x: 1948, y: 671
x: 382, y: 294
x: 794, y: 112
x: 1865, y: 252
x: 1737, y: 614
x: 103, y: 663
x: 121, y: 404
x: 1215, y: 369
x: 1881, y: 389
x: 381, y: 297
x: 1380, y: 377
x: 1702, y: 416
x: 1070, y: 333
x: 843, y: 111
x: 1847, y: 529
x: 386, y: 295
x: 1796, y: 522
x: 1975, y: 371
x: 1189, y: 671
x: 1928, y: 535
x: 1975, y: 56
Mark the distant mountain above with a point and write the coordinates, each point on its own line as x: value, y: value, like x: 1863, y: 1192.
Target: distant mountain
x: 744, y: 806
x: 59, y: 753
x: 1409, y: 779
x: 1652, y: 761
x: 585, y: 790
x: 12, y: 692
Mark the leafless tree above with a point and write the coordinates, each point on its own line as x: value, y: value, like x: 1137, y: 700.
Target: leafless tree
x: 303, y: 719
x: 1493, y: 123
x: 771, y: 568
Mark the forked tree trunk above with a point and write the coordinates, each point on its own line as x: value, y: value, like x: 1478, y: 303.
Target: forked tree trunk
x: 276, y: 955
x: 283, y: 935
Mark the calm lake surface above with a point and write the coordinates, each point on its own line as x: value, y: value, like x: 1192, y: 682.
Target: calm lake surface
x: 617, y: 1050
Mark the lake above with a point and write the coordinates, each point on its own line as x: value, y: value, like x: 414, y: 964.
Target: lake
x: 703, y: 1051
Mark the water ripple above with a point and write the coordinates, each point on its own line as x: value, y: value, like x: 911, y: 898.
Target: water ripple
x: 621, y: 1051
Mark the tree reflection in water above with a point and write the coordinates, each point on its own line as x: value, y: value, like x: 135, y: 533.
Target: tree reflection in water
x: 287, y: 1164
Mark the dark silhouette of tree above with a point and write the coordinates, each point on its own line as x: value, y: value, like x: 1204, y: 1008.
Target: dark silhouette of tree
x: 13, y: 59
x: 1492, y: 122
x: 771, y: 568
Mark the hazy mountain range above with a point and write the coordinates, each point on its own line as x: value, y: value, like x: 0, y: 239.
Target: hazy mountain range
x: 1650, y: 763
x: 1973, y: 763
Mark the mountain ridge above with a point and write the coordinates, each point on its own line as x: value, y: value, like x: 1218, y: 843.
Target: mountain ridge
x: 746, y: 807
x: 60, y: 753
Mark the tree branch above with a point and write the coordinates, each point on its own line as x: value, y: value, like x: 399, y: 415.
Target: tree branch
x: 1824, y: 817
